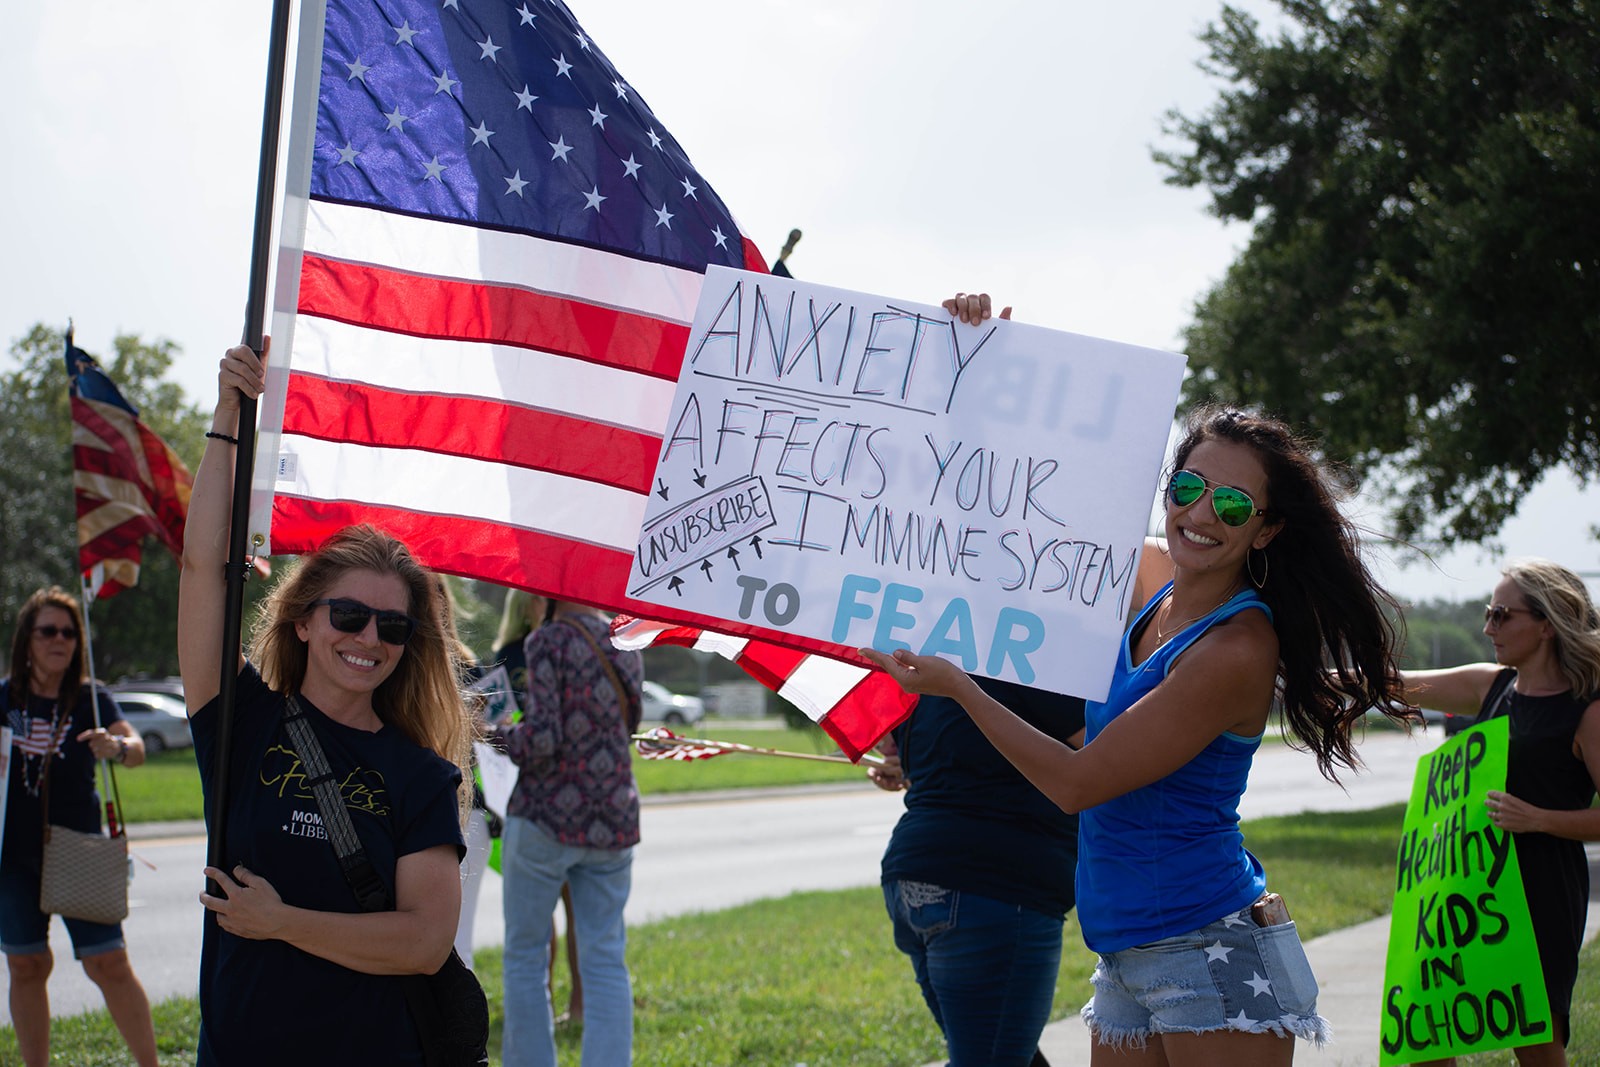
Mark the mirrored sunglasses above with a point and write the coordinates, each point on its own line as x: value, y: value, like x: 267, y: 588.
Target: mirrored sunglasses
x: 350, y: 616
x: 50, y: 633
x: 1233, y: 506
x: 1499, y: 613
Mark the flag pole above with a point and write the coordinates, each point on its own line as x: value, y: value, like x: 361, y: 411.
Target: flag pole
x: 88, y: 641
x: 733, y: 746
x: 112, y: 825
x: 244, y: 455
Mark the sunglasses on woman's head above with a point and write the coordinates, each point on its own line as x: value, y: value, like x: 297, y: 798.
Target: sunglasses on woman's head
x: 50, y: 633
x: 350, y: 616
x: 1499, y: 613
x: 1233, y: 506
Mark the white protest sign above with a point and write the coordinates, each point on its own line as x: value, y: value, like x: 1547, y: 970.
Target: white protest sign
x: 870, y: 472
x: 500, y: 699
x: 499, y: 776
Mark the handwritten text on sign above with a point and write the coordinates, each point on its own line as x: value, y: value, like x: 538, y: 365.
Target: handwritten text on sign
x: 1463, y: 970
x: 868, y: 472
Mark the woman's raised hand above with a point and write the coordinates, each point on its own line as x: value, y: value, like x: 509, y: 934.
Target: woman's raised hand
x: 241, y: 372
x: 973, y: 307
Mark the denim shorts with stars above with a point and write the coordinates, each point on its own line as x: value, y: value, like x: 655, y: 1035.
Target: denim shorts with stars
x: 1230, y: 975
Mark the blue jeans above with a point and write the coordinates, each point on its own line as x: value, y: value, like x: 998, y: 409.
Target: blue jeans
x: 1227, y: 975
x: 25, y: 930
x: 535, y: 865
x: 987, y: 969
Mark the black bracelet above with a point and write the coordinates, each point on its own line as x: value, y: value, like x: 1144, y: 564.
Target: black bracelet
x: 222, y: 437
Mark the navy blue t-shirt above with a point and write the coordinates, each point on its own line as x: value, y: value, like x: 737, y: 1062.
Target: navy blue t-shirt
x: 267, y: 1002
x: 973, y: 823
x: 74, y: 802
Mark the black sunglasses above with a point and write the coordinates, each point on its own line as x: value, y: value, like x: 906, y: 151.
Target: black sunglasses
x: 50, y: 633
x: 350, y: 616
x: 1499, y: 613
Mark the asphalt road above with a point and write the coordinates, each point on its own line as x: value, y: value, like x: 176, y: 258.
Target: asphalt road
x: 700, y: 853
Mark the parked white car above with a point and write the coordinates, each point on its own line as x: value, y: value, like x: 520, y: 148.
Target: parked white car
x: 663, y: 705
x: 160, y: 718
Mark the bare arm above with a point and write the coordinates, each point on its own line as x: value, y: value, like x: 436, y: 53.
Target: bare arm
x: 1228, y: 670
x: 1510, y: 813
x: 104, y: 744
x: 202, y: 591
x: 415, y: 938
x: 1457, y: 690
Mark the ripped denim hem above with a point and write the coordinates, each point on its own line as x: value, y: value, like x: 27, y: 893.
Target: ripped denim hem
x: 1312, y: 1028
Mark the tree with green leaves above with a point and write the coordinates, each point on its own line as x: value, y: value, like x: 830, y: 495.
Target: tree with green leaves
x: 135, y: 631
x: 1421, y: 288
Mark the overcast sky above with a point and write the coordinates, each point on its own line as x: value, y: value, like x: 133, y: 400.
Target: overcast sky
x: 922, y: 147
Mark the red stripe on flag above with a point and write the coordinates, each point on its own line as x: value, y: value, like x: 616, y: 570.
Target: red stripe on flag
x: 874, y: 707
x: 89, y: 417
x: 119, y: 542
x: 154, y: 472
x: 458, y: 310
x: 470, y: 426
x: 520, y: 558
x: 871, y: 708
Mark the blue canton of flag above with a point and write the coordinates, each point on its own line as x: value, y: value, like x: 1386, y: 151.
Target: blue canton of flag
x: 509, y: 117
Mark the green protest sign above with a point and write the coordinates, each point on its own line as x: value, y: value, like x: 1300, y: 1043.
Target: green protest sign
x: 1463, y: 970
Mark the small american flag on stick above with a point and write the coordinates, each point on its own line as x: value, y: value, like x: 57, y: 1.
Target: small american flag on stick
x: 662, y: 743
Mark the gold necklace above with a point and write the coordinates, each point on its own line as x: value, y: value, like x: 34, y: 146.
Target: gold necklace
x: 1162, y: 635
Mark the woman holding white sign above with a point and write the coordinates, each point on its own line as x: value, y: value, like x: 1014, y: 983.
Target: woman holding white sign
x: 1257, y: 584
x: 1546, y: 680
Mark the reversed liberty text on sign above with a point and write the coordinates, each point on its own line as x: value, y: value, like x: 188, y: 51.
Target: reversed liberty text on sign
x: 870, y: 472
x: 1463, y: 970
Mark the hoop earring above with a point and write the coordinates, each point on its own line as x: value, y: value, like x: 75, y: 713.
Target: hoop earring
x: 1266, y: 568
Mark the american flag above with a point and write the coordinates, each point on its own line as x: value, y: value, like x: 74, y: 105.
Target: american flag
x: 33, y: 736
x: 662, y: 743
x: 500, y: 250
x: 127, y: 481
x: 855, y: 705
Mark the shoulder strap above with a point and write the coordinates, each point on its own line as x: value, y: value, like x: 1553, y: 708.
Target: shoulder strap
x: 58, y: 732
x: 1494, y: 701
x: 631, y: 712
x: 363, y: 880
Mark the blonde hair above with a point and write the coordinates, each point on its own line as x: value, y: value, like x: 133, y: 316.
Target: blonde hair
x: 515, y: 622
x: 422, y: 696
x: 1563, y: 600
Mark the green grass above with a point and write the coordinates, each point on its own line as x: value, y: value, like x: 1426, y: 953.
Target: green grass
x: 814, y: 978
x: 167, y: 786
x: 744, y: 770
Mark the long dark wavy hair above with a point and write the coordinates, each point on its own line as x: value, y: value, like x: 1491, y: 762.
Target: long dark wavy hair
x: 1336, y: 643
x: 21, y: 644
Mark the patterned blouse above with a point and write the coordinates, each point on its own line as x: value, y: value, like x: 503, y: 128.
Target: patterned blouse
x: 572, y: 743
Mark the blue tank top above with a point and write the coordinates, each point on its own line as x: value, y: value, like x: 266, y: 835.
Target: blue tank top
x: 1167, y: 858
